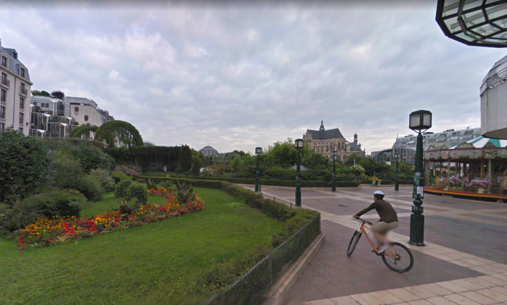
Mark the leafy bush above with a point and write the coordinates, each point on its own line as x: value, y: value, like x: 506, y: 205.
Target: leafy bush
x: 138, y: 191
x: 48, y: 204
x: 24, y: 164
x: 89, y: 187
x: 126, y: 169
x: 118, y: 176
x: 121, y: 189
x: 66, y: 170
x: 92, y: 157
x: 126, y: 210
x: 105, y: 179
x: 185, y: 192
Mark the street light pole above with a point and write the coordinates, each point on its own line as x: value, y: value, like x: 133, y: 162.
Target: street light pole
x: 335, y: 153
x: 258, y: 151
x: 397, y: 182
x: 419, y: 120
x: 299, y: 145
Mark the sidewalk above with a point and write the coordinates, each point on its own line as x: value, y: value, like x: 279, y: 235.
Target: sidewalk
x: 464, y: 260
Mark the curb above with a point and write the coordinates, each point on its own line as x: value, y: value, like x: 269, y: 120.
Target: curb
x: 291, y: 275
x: 275, y: 187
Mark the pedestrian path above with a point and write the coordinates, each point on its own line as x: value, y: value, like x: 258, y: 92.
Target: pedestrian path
x: 464, y: 260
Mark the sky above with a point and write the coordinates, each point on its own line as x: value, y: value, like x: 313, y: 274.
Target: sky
x: 238, y: 76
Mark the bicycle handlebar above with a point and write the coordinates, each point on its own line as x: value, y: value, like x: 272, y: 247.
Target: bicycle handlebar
x: 360, y: 219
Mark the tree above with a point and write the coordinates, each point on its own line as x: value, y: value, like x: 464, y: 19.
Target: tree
x: 237, y: 164
x: 117, y: 133
x: 350, y: 159
x: 357, y: 170
x: 40, y: 93
x: 24, y: 164
x: 92, y: 158
x: 58, y: 94
x: 185, y: 162
x: 196, y: 166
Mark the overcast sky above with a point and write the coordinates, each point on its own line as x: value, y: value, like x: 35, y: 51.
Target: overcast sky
x: 247, y: 76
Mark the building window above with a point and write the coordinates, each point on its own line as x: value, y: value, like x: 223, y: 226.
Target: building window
x: 22, y: 72
x: 20, y: 129
x: 76, y: 110
x: 4, y: 61
x: 35, y: 103
x: 3, y: 95
x: 2, y: 112
x: 2, y: 126
x: 21, y: 118
x: 4, y: 78
x: 86, y: 117
x: 22, y: 103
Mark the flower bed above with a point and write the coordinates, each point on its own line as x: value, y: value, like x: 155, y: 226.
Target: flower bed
x: 55, y: 230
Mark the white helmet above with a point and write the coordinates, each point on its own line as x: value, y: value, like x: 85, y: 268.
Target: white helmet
x: 378, y: 193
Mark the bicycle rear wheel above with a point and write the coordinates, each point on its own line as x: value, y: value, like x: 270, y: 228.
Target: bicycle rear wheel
x: 401, y: 260
x: 353, y: 243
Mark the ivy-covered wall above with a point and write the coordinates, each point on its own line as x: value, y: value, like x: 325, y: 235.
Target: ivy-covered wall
x: 150, y: 158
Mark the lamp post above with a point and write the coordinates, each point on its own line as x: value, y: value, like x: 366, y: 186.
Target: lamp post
x: 298, y: 144
x: 397, y: 181
x: 335, y: 154
x: 258, y: 151
x: 419, y: 121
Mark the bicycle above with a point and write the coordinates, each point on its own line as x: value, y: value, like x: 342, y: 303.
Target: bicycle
x: 395, y: 257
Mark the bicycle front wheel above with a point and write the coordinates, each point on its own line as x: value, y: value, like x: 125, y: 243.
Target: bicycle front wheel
x: 398, y: 258
x: 353, y: 243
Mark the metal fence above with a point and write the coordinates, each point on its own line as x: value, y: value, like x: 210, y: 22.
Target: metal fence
x: 262, y: 276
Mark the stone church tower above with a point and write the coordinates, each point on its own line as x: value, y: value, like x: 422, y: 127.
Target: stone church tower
x: 324, y: 141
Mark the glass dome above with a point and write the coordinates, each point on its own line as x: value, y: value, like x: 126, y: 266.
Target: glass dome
x: 474, y: 22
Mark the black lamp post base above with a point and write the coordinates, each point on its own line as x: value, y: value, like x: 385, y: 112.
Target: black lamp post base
x: 417, y: 230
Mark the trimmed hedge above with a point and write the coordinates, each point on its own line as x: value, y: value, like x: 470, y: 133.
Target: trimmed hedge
x: 290, y: 183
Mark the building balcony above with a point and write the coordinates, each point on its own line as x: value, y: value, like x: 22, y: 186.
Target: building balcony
x: 23, y: 91
x: 6, y: 83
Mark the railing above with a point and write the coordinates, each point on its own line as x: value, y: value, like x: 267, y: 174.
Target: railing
x: 24, y: 91
x: 6, y: 82
x: 263, y: 275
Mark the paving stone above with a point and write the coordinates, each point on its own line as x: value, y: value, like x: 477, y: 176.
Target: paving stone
x: 420, y: 292
x: 404, y: 295
x: 385, y: 297
x: 347, y: 300
x: 460, y: 299
x: 500, y: 290
x: 493, y: 295
x: 436, y: 289
x: 419, y: 302
x: 452, y: 287
x: 440, y: 301
x: 365, y: 299
x: 479, y: 298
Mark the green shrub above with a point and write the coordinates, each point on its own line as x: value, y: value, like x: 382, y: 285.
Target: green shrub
x: 138, y: 191
x: 185, y: 160
x: 105, y: 179
x: 92, y: 157
x: 66, y: 170
x: 118, y: 176
x: 121, y: 189
x: 24, y: 164
x: 90, y: 187
x: 196, y: 166
x: 47, y: 204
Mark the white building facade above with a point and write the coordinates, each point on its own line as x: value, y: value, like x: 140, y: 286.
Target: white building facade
x: 15, y: 88
x: 494, y: 101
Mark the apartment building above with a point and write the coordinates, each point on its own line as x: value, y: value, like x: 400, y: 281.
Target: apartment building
x: 15, y: 85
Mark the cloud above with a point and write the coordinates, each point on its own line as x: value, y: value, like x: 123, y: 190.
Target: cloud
x: 246, y: 76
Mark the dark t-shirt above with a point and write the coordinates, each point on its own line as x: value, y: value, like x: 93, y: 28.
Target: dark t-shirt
x: 384, y: 209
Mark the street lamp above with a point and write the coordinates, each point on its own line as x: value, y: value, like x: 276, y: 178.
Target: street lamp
x: 396, y: 182
x: 258, y: 151
x: 335, y: 154
x: 419, y: 121
x: 298, y: 144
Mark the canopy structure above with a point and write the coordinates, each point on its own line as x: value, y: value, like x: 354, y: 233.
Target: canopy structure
x: 474, y: 22
x: 481, y: 142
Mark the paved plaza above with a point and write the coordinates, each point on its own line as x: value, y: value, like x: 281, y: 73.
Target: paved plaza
x: 464, y: 260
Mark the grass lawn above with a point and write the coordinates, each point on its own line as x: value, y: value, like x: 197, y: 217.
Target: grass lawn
x: 109, y: 202
x: 159, y: 260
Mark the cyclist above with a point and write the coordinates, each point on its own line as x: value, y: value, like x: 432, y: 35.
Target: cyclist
x: 388, y: 219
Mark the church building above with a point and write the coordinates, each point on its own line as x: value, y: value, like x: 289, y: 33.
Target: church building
x: 324, y: 141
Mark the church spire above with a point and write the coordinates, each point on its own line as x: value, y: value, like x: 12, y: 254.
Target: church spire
x: 321, y: 126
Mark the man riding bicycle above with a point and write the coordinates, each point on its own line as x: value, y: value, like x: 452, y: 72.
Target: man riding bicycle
x: 388, y: 219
